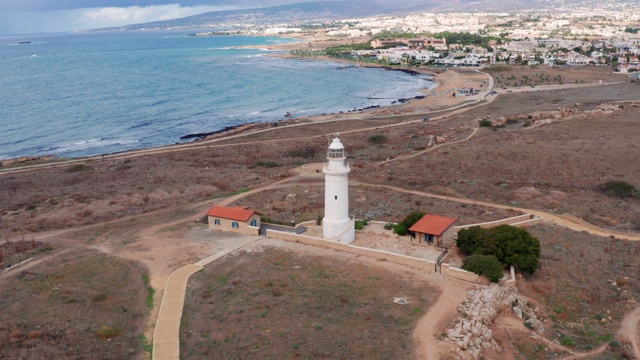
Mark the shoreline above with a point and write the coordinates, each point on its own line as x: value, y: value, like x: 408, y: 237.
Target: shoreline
x: 400, y: 106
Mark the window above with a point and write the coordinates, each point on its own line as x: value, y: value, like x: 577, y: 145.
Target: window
x: 336, y: 197
x: 217, y: 222
x: 254, y: 222
x: 234, y: 225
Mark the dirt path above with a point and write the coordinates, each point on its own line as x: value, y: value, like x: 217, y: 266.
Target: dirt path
x: 629, y: 330
x: 556, y: 219
x: 437, y: 319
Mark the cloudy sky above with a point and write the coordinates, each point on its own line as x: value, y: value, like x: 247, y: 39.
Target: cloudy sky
x: 33, y: 16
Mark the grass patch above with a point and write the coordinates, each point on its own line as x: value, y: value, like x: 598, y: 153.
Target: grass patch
x: 150, y: 291
x: 237, y: 192
x: 108, y: 332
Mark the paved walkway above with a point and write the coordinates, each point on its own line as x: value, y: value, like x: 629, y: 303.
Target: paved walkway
x: 166, y: 334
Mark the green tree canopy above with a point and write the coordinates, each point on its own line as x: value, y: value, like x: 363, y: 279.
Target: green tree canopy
x: 509, y: 244
x: 485, y: 265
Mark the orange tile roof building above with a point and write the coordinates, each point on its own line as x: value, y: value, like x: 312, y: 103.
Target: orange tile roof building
x: 434, y: 230
x: 234, y: 219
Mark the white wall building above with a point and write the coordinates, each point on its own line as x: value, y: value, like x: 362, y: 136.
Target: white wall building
x: 337, y: 225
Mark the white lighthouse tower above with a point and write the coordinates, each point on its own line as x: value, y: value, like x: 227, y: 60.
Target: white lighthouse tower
x: 337, y: 225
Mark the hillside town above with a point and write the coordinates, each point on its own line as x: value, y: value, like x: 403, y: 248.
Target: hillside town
x: 604, y: 36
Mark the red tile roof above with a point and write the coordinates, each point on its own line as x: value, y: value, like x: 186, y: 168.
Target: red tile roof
x: 432, y: 224
x: 238, y: 213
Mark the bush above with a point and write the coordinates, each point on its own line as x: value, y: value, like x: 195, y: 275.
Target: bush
x: 267, y: 164
x: 378, y: 139
x: 484, y: 265
x: 400, y: 229
x: 413, y: 218
x: 360, y: 224
x: 485, y: 122
x: 619, y: 189
x: 389, y: 226
x: 509, y: 244
x: 568, y: 341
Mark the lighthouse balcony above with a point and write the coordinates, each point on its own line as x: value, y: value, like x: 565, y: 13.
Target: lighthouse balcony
x: 333, y: 168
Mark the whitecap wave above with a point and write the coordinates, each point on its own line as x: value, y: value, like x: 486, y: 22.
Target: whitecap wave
x: 88, y: 144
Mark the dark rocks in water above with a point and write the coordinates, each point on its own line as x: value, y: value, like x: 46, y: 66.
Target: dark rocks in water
x: 199, y: 136
x: 420, y: 97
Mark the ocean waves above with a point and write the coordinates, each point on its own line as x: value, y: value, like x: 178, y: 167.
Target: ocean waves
x: 92, y: 94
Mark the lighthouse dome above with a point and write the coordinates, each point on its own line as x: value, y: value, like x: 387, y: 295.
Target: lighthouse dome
x: 336, y: 150
x: 336, y: 144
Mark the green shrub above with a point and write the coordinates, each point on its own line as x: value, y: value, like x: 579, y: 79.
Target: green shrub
x: 619, y: 189
x: 413, y: 218
x: 389, y: 226
x: 568, y: 341
x: 485, y: 265
x: 267, y: 164
x: 400, y: 229
x: 378, y: 139
x: 360, y: 224
x: 485, y: 122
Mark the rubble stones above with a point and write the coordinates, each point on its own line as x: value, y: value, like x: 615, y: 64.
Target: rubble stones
x: 472, y: 332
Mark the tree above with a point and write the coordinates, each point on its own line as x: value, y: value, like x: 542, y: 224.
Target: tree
x: 509, y: 244
x: 513, y: 246
x: 484, y: 265
x: 470, y: 240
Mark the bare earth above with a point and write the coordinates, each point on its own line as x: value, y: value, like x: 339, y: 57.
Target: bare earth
x: 145, y: 206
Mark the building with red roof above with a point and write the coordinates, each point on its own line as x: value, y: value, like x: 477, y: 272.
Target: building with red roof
x: 433, y: 229
x: 235, y: 219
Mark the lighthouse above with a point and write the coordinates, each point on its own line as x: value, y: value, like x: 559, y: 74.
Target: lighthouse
x: 337, y: 225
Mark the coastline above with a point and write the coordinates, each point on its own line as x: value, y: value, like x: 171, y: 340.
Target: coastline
x: 402, y: 106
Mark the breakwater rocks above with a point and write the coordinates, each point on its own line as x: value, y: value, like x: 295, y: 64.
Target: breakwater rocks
x: 199, y: 136
x: 472, y: 332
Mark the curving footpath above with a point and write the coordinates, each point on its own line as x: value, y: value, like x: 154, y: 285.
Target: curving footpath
x: 166, y: 334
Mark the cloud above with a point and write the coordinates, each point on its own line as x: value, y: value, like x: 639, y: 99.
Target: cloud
x: 25, y: 22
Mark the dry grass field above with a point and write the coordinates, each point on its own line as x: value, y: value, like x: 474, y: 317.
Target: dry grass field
x: 280, y: 304
x: 586, y: 284
x: 555, y: 167
x: 81, y: 305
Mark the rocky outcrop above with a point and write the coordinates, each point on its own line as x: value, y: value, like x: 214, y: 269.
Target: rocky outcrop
x: 472, y: 332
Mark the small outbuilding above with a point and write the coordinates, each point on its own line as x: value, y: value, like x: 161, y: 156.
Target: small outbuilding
x: 434, y: 230
x: 237, y: 219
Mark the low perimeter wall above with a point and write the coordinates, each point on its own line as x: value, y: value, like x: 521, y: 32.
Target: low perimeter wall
x: 417, y: 263
x: 490, y: 224
x: 456, y: 273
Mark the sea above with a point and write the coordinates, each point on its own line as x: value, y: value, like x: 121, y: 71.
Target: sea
x: 85, y: 94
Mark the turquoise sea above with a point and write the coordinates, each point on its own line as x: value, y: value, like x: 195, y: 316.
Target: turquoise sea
x: 84, y: 94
